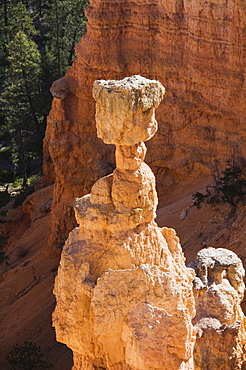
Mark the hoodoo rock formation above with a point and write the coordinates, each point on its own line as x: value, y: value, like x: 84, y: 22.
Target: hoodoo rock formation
x: 124, y: 295
x: 195, y: 48
x: 220, y: 322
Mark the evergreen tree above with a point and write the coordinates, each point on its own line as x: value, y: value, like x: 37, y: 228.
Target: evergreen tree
x: 36, y: 47
x: 21, y: 96
x: 27, y: 357
x: 66, y: 22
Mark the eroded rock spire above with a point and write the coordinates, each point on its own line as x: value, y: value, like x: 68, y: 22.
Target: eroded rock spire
x: 220, y: 322
x: 125, y: 116
x: 124, y: 295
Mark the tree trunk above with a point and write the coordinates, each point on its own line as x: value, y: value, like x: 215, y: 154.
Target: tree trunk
x: 30, y: 102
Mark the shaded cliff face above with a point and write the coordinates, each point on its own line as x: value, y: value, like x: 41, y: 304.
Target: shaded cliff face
x: 195, y: 49
x: 27, y: 282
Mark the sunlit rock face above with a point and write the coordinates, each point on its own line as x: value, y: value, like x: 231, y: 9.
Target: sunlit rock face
x: 196, y: 49
x: 124, y: 295
x: 220, y: 322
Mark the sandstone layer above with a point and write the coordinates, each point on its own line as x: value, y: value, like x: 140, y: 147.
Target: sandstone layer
x: 196, y: 49
x: 124, y: 295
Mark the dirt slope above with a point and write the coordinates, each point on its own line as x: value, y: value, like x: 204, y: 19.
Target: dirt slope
x: 27, y: 300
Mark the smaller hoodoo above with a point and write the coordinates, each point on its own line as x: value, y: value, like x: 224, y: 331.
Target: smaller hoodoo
x: 220, y: 322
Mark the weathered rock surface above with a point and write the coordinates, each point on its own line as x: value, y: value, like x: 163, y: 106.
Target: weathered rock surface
x: 219, y: 291
x: 196, y: 49
x: 124, y: 295
x: 125, y: 110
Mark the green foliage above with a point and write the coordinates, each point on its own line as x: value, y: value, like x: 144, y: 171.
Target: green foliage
x: 66, y: 21
x: 229, y: 187
x: 3, y: 256
x: 23, y: 194
x: 37, y: 46
x: 27, y: 357
x: 20, y: 20
x: 3, y: 241
x: 4, y: 198
x: 21, y: 95
x: 5, y: 177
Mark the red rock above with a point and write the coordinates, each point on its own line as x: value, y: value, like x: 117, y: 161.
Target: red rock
x: 122, y: 282
x: 195, y: 49
x: 221, y: 325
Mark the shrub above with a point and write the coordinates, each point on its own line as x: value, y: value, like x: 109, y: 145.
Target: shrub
x: 4, y: 198
x: 23, y: 194
x: 3, y: 256
x: 27, y: 357
x: 25, y: 191
x: 6, y: 177
x: 229, y: 186
x: 22, y: 252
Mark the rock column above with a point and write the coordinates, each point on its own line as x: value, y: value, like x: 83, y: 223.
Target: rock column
x: 124, y: 295
x: 220, y: 322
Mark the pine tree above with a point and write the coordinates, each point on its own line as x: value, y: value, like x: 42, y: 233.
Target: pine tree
x: 36, y: 47
x: 21, y: 96
x: 66, y: 22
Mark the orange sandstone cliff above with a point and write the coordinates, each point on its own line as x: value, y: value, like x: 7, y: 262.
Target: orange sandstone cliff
x: 196, y: 49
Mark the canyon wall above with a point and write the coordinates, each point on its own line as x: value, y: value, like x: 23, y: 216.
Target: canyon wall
x: 196, y: 49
